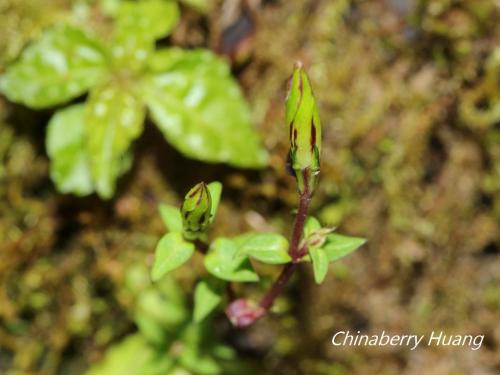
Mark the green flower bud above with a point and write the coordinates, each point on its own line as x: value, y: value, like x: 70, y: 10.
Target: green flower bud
x: 304, y: 128
x: 196, y: 211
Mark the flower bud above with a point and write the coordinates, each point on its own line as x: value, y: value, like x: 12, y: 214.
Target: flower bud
x: 304, y: 128
x: 196, y: 211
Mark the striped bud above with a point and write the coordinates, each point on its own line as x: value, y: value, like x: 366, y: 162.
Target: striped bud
x: 304, y: 128
x: 196, y: 211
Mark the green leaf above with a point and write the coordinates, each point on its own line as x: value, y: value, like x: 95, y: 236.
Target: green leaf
x: 171, y: 252
x: 200, y: 109
x: 65, y: 141
x: 269, y: 248
x: 311, y: 226
x: 338, y: 246
x: 63, y: 64
x: 133, y: 355
x: 215, y: 189
x: 206, y: 299
x: 114, y: 118
x: 320, y: 263
x: 227, y: 263
x: 146, y: 19
x: 171, y: 217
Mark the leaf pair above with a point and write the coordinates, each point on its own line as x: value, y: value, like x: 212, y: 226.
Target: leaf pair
x: 190, y: 94
x: 328, y: 249
x: 228, y: 259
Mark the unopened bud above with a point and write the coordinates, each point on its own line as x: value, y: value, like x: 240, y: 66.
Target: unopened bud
x: 304, y: 128
x: 196, y: 211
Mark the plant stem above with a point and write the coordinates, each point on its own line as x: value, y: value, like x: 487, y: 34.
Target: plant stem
x: 243, y: 314
x: 277, y: 288
x: 295, y: 251
x: 201, y: 246
x: 298, y: 228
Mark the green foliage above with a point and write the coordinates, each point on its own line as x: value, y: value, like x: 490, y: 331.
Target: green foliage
x: 271, y: 248
x: 228, y: 259
x: 133, y: 355
x: 63, y: 64
x: 206, y: 298
x: 326, y: 247
x: 171, y: 252
x: 225, y: 261
x: 320, y: 263
x: 190, y: 94
x: 167, y: 342
x: 215, y: 189
x: 194, y: 100
x: 114, y: 117
x: 338, y: 246
x: 171, y: 217
x: 65, y: 146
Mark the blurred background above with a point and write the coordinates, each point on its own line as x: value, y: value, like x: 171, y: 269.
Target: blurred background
x: 410, y: 104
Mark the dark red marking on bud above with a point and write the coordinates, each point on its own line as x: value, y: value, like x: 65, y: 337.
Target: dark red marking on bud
x: 201, y: 220
x: 295, y: 137
x: 195, y: 191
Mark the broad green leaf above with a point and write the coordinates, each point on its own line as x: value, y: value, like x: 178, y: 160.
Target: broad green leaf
x: 227, y: 263
x: 311, y: 226
x: 200, y: 109
x: 338, y: 246
x: 114, y: 118
x: 133, y: 355
x: 269, y: 248
x: 320, y: 263
x: 65, y: 141
x: 171, y: 252
x: 206, y: 299
x: 171, y: 217
x: 63, y: 64
x: 146, y: 19
x: 215, y: 189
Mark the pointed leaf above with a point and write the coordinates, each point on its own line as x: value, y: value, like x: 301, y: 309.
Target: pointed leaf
x: 215, y: 189
x: 63, y: 64
x: 320, y: 263
x: 171, y: 252
x: 268, y: 248
x: 200, y: 108
x: 206, y: 299
x: 114, y: 118
x: 338, y: 246
x: 69, y: 167
x: 311, y: 226
x: 171, y: 217
x: 225, y: 262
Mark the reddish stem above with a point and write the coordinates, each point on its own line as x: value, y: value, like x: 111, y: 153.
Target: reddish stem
x: 295, y: 252
x: 240, y: 312
x: 277, y: 288
x: 298, y: 228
